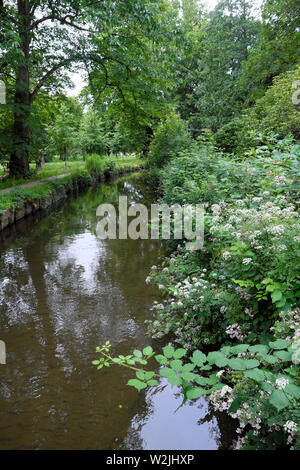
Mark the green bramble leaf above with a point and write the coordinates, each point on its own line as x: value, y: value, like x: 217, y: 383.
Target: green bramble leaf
x: 279, y: 399
x: 167, y: 372
x: 176, y: 365
x: 293, y: 390
x: 175, y: 380
x: 137, y: 353
x: 149, y: 375
x: 213, y: 379
x: 217, y: 358
x: 188, y: 376
x: 283, y: 355
x: 147, y: 351
x: 235, y: 405
x: 239, y: 348
x: 179, y: 353
x: 201, y: 380
x: 198, y: 358
x: 206, y: 367
x: 255, y: 374
x: 237, y: 364
x: 196, y: 392
x: 152, y: 382
x: 276, y: 295
x: 161, y: 359
x: 279, y: 344
x: 137, y: 384
x: 96, y: 362
x: 270, y: 359
x: 251, y: 363
x: 259, y: 348
x: 188, y: 367
x: 168, y: 351
x: 140, y: 375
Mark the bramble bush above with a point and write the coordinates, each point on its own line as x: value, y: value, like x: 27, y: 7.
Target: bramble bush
x: 257, y: 385
x: 239, y: 294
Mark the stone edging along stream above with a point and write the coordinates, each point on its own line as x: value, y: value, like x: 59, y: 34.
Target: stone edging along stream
x: 75, y: 184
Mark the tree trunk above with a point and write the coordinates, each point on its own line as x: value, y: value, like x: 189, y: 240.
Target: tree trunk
x: 19, y: 159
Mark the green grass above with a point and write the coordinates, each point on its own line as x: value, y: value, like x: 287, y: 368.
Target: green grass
x: 16, y: 196
x: 58, y: 167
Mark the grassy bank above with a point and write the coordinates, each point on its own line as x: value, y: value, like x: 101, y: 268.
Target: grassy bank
x: 58, y: 167
x: 78, y: 175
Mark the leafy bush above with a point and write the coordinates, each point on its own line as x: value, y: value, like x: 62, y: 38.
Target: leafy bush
x: 171, y: 138
x: 257, y: 385
x: 240, y: 293
x: 275, y: 111
x: 272, y: 117
x: 95, y: 164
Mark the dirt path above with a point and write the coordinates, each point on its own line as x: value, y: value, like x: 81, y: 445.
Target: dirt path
x: 34, y: 183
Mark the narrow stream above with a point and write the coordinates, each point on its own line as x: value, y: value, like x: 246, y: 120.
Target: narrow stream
x: 62, y: 293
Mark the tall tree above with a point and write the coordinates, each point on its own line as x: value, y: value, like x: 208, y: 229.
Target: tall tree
x: 230, y: 34
x: 40, y: 40
x: 277, y: 50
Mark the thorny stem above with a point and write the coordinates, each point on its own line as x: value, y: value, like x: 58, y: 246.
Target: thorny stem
x: 127, y: 365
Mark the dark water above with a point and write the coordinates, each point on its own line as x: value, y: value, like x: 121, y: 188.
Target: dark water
x: 63, y: 292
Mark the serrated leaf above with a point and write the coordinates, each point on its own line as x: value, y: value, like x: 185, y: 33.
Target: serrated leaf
x: 201, y: 380
x: 176, y: 365
x: 147, y: 351
x: 188, y: 376
x: 259, y: 348
x: 188, y: 367
x: 270, y: 359
x: 137, y: 353
x: 206, y: 367
x: 198, y: 358
x: 279, y: 344
x: 279, y: 399
x: 96, y: 362
x: 276, y: 295
x: 283, y: 355
x: 168, y: 351
x: 161, y: 359
x: 251, y: 363
x: 137, y: 384
x: 239, y: 348
x: 175, y: 380
x: 194, y: 393
x: 167, y: 372
x: 216, y: 357
x: 237, y: 364
x: 213, y: 379
x: 179, y: 353
x: 152, y: 382
x: 235, y: 405
x: 255, y: 374
x: 149, y: 375
x: 293, y: 390
x: 140, y: 375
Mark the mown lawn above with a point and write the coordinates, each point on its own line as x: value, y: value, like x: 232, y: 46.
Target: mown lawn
x: 58, y: 167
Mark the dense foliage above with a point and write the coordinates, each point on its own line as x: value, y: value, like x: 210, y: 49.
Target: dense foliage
x: 213, y: 100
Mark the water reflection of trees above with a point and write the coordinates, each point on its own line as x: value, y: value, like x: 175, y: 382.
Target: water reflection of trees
x: 63, y: 292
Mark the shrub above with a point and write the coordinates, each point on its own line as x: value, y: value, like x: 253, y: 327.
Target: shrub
x: 272, y: 117
x: 95, y: 164
x: 171, y: 138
